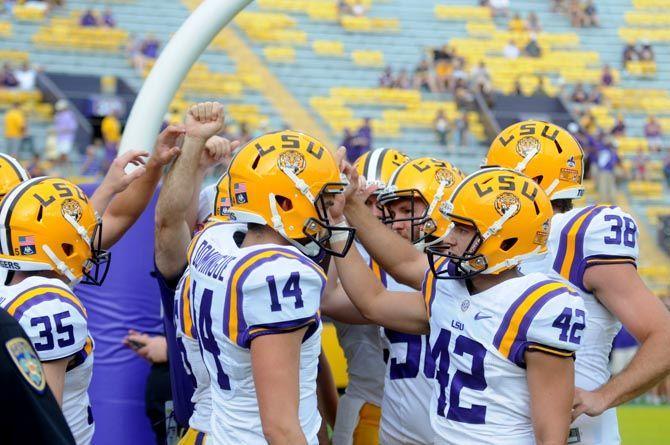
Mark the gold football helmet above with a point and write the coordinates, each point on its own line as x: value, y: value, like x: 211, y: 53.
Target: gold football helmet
x: 510, y: 215
x: 49, y: 224
x: 544, y: 152
x: 11, y: 174
x: 424, y: 180
x: 222, y: 202
x: 285, y: 180
x: 378, y: 165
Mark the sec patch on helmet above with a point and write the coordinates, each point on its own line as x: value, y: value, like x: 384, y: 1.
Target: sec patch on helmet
x: 26, y: 360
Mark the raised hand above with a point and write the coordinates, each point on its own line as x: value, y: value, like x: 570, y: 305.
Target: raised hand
x: 167, y: 146
x: 117, y: 180
x: 204, y: 120
x: 217, y: 151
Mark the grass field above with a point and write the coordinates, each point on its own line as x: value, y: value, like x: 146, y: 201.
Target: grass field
x: 644, y: 425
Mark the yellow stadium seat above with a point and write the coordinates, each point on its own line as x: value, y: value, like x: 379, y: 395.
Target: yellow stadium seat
x: 279, y: 54
x: 368, y: 58
x: 646, y: 190
x: 651, y: 4
x: 328, y: 47
x: 642, y: 68
x: 322, y: 11
x: 469, y: 13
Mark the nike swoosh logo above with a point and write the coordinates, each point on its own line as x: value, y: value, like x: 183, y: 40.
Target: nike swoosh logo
x: 479, y: 316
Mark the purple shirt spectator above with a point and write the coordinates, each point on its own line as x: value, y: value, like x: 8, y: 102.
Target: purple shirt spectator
x: 88, y: 19
x: 65, y: 124
x: 362, y: 140
x: 108, y: 19
x: 150, y: 48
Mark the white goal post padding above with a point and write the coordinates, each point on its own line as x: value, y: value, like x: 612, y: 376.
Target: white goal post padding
x: 174, y: 62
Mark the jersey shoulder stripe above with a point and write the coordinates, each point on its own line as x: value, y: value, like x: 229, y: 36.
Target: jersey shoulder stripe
x: 185, y: 315
x: 511, y: 335
x: 234, y: 302
x: 38, y: 294
x: 81, y: 356
x: 570, y: 253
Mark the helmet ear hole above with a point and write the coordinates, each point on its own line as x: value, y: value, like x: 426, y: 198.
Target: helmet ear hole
x: 537, y: 208
x: 538, y: 179
x: 508, y: 244
x: 285, y: 203
x: 40, y: 214
x: 68, y: 249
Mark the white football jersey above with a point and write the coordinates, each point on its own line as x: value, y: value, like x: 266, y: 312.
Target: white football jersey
x: 187, y: 336
x: 408, y: 384
x: 56, y: 322
x: 238, y: 296
x: 579, y: 239
x: 478, y: 343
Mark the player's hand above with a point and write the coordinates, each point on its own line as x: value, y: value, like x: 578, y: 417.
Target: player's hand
x: 217, y: 151
x: 591, y: 403
x: 117, y: 180
x: 154, y: 349
x: 167, y: 146
x: 204, y: 120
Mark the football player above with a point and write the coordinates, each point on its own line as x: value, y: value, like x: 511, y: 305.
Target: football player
x: 596, y: 249
x: 256, y: 309
x: 359, y: 409
x: 51, y: 241
x: 502, y: 344
x: 176, y: 219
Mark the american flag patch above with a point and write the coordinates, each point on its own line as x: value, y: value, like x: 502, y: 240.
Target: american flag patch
x: 27, y: 240
x: 240, y: 187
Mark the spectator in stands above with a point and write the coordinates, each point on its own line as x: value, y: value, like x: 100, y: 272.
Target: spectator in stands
x: 558, y: 6
x: 595, y: 96
x: 462, y: 126
x: 95, y: 158
x: 65, y: 124
x: 532, y: 48
x: 348, y: 143
x: 607, y: 162
x: 579, y: 94
x: 576, y: 13
x: 516, y: 24
x: 88, y: 18
x: 386, y: 79
x: 619, y: 128
x: 517, y: 89
x: 666, y: 168
x: 402, y: 80
x: 7, y: 77
x: 480, y: 75
x: 459, y: 73
x: 36, y: 167
x: 343, y: 8
x: 110, y: 128
x: 640, y: 161
x: 362, y: 141
x: 442, y: 127
x: 150, y: 47
x: 108, y: 19
x: 590, y: 14
x: 26, y: 77
x: 629, y: 54
x: 607, y: 77
x: 15, y: 129
x: 654, y: 134
x: 499, y: 7
x: 511, y: 51
x: 646, y: 53
x: 533, y: 22
x: 463, y: 95
x: 423, y: 78
x: 358, y: 9
x: 443, y: 53
x: 443, y: 71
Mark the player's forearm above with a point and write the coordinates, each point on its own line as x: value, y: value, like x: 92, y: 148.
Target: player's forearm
x: 359, y: 283
x: 400, y: 262
x: 650, y: 366
x: 194, y: 203
x: 178, y: 188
